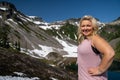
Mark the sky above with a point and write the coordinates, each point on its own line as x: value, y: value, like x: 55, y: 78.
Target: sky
x: 57, y: 10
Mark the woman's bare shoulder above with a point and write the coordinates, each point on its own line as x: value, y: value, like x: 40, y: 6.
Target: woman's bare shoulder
x: 98, y: 39
x: 101, y: 44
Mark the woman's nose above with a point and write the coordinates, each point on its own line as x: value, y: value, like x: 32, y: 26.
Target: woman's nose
x: 85, y: 27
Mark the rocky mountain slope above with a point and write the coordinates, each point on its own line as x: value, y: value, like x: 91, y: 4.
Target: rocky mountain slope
x: 30, y: 32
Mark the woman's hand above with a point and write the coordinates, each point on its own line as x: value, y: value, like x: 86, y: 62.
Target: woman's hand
x: 95, y: 71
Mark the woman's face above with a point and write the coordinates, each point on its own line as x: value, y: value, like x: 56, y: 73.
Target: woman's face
x: 86, y: 28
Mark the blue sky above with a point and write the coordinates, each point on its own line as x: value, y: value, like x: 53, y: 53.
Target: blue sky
x: 56, y: 10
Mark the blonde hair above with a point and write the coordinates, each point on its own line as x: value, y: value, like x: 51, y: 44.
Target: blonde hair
x: 81, y: 37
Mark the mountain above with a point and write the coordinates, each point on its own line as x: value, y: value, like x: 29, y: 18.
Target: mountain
x: 115, y: 22
x: 33, y: 34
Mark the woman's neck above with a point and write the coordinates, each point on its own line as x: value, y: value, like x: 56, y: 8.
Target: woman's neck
x: 89, y: 37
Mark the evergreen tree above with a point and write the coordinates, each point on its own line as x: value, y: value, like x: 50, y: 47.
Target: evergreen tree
x: 4, y: 40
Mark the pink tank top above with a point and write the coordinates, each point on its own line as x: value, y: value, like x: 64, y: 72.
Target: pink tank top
x: 86, y: 59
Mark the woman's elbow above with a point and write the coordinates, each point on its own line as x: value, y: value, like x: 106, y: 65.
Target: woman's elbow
x: 112, y: 54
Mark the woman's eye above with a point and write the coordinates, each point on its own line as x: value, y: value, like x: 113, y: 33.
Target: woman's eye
x: 83, y: 26
x: 88, y: 25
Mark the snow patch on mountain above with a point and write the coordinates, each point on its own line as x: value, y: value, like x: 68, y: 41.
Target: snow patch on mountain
x: 70, y: 49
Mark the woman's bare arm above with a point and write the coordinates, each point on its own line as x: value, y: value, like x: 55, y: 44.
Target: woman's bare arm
x: 107, y: 55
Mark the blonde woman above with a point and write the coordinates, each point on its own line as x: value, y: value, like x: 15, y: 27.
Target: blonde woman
x: 95, y: 55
